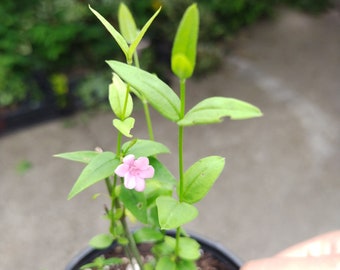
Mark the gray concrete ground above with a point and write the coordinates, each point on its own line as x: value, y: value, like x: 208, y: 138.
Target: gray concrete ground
x: 281, y: 183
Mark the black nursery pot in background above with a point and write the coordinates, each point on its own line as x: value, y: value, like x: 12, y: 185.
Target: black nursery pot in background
x: 221, y: 258
x: 54, y: 99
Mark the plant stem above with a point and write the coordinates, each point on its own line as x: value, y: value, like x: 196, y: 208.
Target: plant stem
x: 119, y: 143
x: 126, y: 99
x: 145, y: 105
x: 136, y: 59
x: 180, y: 161
x: 180, y: 156
x: 148, y: 119
x: 132, y: 244
x: 178, y: 235
x: 181, y: 139
x: 108, y: 185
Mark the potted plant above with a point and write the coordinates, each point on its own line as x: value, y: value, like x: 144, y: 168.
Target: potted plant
x: 138, y: 183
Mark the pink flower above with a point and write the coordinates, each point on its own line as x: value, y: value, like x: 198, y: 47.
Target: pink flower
x: 135, y: 171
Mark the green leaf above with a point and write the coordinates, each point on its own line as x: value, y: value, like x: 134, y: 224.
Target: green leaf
x: 200, y: 177
x: 155, y: 188
x: 186, y: 265
x: 124, y: 126
x: 140, y: 35
x: 100, y: 167
x: 127, y: 24
x: 165, y: 248
x: 115, y: 34
x: 118, y: 214
x: 211, y: 110
x: 166, y: 263
x: 162, y: 183
x: 80, y: 156
x: 183, y: 57
x: 154, y: 90
x: 118, y: 94
x: 147, y: 234
x: 153, y: 214
x: 135, y: 202
x: 173, y: 214
x: 123, y: 241
x: 189, y: 249
x: 162, y: 174
x: 100, y: 262
x: 144, y: 148
x: 101, y: 241
x: 113, y: 261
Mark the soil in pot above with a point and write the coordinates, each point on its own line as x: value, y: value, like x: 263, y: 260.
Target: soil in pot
x: 207, y: 261
x: 213, y: 257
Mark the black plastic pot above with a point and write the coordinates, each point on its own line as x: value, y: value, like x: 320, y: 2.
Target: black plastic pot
x: 216, y: 250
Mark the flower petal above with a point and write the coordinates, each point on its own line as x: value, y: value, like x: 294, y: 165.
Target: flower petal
x: 129, y: 159
x: 148, y: 172
x: 140, y: 184
x: 122, y: 169
x: 130, y: 181
x: 142, y: 163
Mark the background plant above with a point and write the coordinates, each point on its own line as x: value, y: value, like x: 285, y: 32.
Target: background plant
x: 41, y: 38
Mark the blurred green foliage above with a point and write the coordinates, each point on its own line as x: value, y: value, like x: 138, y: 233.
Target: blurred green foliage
x: 312, y: 6
x: 50, y: 39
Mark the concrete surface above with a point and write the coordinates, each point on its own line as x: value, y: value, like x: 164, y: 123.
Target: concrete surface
x: 281, y: 183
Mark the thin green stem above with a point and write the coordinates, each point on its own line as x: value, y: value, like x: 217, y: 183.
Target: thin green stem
x: 181, y: 139
x: 178, y: 235
x: 108, y: 185
x: 132, y: 244
x: 136, y: 59
x: 182, y: 84
x: 180, y: 156
x: 119, y: 143
x: 145, y: 105
x: 180, y: 161
x: 148, y: 120
x: 126, y: 99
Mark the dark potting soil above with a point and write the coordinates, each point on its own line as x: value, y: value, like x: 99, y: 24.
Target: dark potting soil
x: 206, y: 262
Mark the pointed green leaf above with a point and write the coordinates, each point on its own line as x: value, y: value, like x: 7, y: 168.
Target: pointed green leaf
x: 100, y: 167
x: 101, y: 241
x: 154, y: 90
x: 144, y: 148
x: 120, y: 100
x: 162, y: 173
x: 155, y: 188
x: 127, y: 24
x: 183, y: 57
x: 140, y: 35
x: 80, y: 156
x: 173, y: 214
x: 200, y: 177
x: 124, y: 126
x: 135, y: 202
x: 162, y: 183
x: 212, y: 110
x: 115, y: 34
